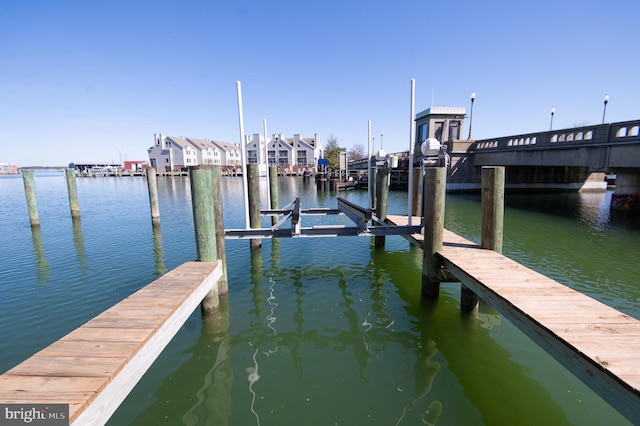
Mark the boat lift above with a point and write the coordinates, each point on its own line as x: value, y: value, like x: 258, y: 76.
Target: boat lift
x: 366, y: 223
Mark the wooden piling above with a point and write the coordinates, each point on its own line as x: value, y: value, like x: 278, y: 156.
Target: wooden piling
x: 434, y: 184
x: 152, y: 183
x: 30, y: 192
x: 492, y: 201
x: 273, y: 190
x: 492, y: 208
x: 382, y: 196
x: 200, y: 178
x: 372, y: 184
x: 417, y: 193
x: 216, y: 176
x: 70, y: 175
x: 253, y: 187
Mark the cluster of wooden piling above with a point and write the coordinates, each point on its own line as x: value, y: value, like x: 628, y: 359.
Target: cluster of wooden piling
x: 206, y: 193
x: 433, y: 194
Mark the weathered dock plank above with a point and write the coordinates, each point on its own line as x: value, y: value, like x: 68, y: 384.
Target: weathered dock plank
x: 594, y: 341
x: 94, y: 367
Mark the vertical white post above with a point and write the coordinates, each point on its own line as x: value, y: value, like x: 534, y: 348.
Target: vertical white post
x: 369, y: 174
x: 266, y: 161
x: 243, y: 157
x: 412, y: 136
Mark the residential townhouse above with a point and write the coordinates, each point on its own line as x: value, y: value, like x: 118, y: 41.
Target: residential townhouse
x: 173, y: 153
x: 295, y: 153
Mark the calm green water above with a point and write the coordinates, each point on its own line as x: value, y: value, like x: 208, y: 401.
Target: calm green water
x: 320, y: 331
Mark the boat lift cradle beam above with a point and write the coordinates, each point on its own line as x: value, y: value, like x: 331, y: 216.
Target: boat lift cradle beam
x: 361, y: 216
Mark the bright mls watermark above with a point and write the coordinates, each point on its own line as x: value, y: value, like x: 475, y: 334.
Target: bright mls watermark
x: 34, y: 414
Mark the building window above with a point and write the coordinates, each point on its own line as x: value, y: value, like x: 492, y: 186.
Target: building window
x: 252, y: 153
x: 422, y: 132
x: 166, y: 160
x: 454, y: 130
x: 283, y: 153
x: 438, y: 133
x: 302, y: 157
x: 282, y: 161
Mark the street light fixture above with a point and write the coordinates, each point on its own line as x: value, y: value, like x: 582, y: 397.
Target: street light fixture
x: 473, y: 98
x: 604, y: 111
x: 553, y: 111
x: 381, y: 134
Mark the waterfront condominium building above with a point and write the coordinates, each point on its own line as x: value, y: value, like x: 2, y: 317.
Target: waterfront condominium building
x: 173, y: 153
x: 294, y: 153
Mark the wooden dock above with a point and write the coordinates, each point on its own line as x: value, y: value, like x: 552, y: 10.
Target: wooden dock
x: 598, y: 344
x: 94, y: 367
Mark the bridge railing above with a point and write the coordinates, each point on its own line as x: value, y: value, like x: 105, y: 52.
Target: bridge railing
x: 621, y: 132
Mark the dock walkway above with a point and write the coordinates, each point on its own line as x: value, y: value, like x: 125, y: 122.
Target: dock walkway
x: 597, y: 343
x: 94, y: 367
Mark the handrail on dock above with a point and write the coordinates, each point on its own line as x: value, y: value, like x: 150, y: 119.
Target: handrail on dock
x: 94, y: 367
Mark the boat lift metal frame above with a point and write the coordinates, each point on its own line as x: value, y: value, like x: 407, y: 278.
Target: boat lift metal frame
x: 361, y: 216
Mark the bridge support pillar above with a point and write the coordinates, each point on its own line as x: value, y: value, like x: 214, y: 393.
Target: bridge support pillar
x: 627, y: 193
x: 594, y: 182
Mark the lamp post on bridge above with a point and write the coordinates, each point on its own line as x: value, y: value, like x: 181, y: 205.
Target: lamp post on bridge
x: 553, y: 111
x: 381, y: 134
x: 604, y: 111
x: 473, y: 98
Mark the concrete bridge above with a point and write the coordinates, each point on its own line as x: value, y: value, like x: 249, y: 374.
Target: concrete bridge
x: 574, y: 159
x: 567, y: 159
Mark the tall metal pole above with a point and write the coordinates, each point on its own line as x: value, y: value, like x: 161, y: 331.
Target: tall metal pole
x: 553, y: 111
x: 473, y: 98
x: 604, y: 111
x: 412, y: 135
x: 266, y: 161
x: 369, y: 168
x: 243, y: 157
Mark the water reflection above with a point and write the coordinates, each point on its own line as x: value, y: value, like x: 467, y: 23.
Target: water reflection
x: 502, y: 388
x: 593, y: 209
x: 158, y: 252
x: 78, y: 242
x: 204, y: 381
x: 367, y: 337
x: 42, y: 265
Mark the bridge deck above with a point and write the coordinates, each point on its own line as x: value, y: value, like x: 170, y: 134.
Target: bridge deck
x: 94, y: 367
x: 597, y: 343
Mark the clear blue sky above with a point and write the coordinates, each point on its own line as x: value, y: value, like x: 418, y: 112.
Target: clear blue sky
x: 92, y: 81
